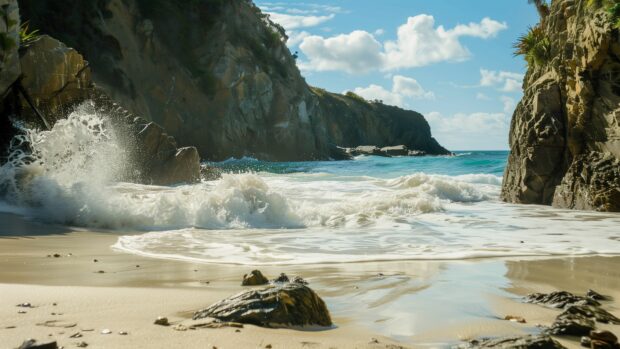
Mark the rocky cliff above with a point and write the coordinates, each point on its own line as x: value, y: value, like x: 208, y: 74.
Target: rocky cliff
x: 217, y: 74
x: 565, y: 133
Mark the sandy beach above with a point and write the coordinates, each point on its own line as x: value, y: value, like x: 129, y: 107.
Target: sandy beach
x: 373, y: 305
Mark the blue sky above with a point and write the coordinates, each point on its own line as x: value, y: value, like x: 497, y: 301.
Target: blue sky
x: 450, y: 60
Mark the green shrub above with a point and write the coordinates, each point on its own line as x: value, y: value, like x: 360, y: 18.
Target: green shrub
x: 612, y: 7
x: 355, y: 96
x: 26, y: 36
x: 534, y: 46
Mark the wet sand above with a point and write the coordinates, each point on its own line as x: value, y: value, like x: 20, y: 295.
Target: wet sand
x: 409, y: 304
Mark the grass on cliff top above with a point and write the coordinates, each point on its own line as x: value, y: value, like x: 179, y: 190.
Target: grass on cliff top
x: 534, y: 46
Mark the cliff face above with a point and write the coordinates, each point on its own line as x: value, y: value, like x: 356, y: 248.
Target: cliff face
x: 217, y: 74
x: 565, y: 133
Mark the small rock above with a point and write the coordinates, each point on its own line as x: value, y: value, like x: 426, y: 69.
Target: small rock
x: 604, y: 336
x: 56, y: 255
x: 282, y: 278
x: 106, y: 331
x: 585, y: 341
x: 22, y: 312
x: 513, y: 342
x: 32, y: 344
x: 10, y: 327
x: 596, y: 344
x: 268, y: 346
x: 254, y: 278
x: 81, y: 345
x: 596, y: 296
x: 100, y: 272
x: 180, y: 327
x: 25, y: 305
x: 237, y: 330
x: 299, y: 280
x: 137, y: 265
x: 54, y: 304
x: 95, y: 260
x: 380, y: 275
x: 76, y: 335
x: 162, y: 321
x: 514, y: 318
x: 123, y: 333
x: 374, y: 340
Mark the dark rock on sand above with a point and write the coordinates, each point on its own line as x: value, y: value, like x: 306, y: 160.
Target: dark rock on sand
x: 254, y: 278
x: 596, y: 344
x: 276, y: 306
x: 604, y: 336
x: 32, y: 344
x: 571, y: 325
x: 299, y: 280
x: 162, y: 321
x: 282, y: 278
x: 514, y: 342
x: 596, y: 313
x: 559, y: 299
x: 596, y: 296
x: 585, y: 341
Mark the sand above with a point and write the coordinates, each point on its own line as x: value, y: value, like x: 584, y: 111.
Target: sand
x: 373, y: 305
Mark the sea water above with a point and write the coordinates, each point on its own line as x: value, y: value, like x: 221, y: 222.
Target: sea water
x: 261, y: 213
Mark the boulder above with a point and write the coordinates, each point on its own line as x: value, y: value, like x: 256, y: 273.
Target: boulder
x: 559, y: 299
x: 591, y: 312
x: 339, y: 153
x: 32, y: 344
x: 367, y: 150
x: 596, y: 296
x: 397, y: 150
x: 604, y: 336
x: 571, y: 325
x: 254, y: 278
x: 276, y: 306
x: 514, y: 342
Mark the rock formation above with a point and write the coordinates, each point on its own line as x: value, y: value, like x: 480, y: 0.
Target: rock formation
x: 218, y: 75
x: 290, y: 304
x: 565, y: 133
x: 55, y: 79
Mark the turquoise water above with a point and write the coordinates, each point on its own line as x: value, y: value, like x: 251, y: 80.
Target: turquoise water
x: 465, y: 162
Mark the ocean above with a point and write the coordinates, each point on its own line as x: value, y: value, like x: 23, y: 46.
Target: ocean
x: 293, y: 213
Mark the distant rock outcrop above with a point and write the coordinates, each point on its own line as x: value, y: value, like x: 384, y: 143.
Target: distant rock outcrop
x: 218, y: 75
x: 565, y: 133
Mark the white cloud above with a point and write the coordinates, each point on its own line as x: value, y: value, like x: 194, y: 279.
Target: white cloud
x: 295, y: 37
x: 403, y: 88
x: 357, y: 52
x: 470, y: 131
x: 379, y: 32
x: 481, y: 96
x: 419, y: 43
x: 291, y: 22
x: 509, y: 104
x: 511, y: 81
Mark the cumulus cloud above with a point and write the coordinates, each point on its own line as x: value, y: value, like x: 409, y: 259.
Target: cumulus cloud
x: 291, y: 22
x: 403, y: 88
x: 356, y: 52
x: 470, y: 131
x: 419, y: 43
x: 506, y: 81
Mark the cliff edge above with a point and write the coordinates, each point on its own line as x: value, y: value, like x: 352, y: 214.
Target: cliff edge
x: 218, y: 75
x: 565, y: 132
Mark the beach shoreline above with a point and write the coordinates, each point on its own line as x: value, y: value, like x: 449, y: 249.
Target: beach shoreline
x: 373, y: 304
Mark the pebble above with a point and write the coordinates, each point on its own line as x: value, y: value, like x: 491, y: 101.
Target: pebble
x: 162, y: 321
x: 585, y: 341
x: 22, y: 312
x: 268, y: 346
x: 514, y: 318
x: 237, y: 330
x: 56, y: 255
x: 101, y: 272
x: 123, y: 333
x: 137, y: 265
x: 95, y: 260
x: 604, y: 336
x: 180, y: 327
x: 374, y: 340
x: 106, y: 331
x: 81, y: 345
x: 76, y: 335
x: 25, y: 305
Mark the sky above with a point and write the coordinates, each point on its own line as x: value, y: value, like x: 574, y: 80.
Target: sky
x: 451, y: 60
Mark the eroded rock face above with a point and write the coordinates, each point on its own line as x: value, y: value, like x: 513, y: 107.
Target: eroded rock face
x: 291, y: 304
x: 560, y: 299
x: 565, y: 132
x: 218, y: 75
x: 58, y: 79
